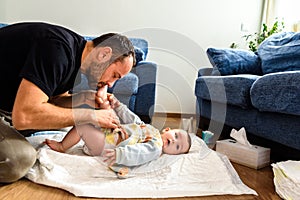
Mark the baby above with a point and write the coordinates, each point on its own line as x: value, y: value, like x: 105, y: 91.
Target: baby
x: 132, y: 144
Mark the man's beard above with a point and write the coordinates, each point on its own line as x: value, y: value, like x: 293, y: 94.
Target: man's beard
x: 95, y: 72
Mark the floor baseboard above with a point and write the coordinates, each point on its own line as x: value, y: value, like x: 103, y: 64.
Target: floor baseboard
x: 174, y: 115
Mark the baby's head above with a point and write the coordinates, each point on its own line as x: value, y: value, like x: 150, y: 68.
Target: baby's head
x: 175, y: 141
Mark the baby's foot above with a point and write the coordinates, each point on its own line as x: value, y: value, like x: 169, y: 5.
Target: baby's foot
x: 56, y: 146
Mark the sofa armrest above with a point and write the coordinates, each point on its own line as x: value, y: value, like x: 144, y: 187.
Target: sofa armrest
x: 205, y: 71
x: 145, y: 97
x: 277, y: 92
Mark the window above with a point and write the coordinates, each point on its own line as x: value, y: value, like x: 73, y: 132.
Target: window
x: 283, y: 10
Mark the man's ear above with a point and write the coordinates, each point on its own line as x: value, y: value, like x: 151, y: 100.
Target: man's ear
x: 104, y: 54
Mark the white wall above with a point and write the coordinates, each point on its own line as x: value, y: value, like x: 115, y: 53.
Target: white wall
x: 178, y: 32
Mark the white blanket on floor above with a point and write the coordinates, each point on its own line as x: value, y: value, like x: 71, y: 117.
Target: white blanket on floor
x: 201, y: 172
x: 287, y: 179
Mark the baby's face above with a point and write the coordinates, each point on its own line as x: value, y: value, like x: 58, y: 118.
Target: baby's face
x: 175, y: 141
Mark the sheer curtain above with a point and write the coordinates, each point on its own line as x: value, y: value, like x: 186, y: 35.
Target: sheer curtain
x: 269, y: 12
x: 282, y: 10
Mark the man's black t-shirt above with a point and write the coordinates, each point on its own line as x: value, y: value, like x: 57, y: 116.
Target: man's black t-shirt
x: 47, y: 55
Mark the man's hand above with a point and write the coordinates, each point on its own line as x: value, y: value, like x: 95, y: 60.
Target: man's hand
x: 107, y: 118
x: 109, y: 156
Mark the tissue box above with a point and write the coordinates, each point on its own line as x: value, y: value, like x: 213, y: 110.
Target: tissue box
x: 255, y: 157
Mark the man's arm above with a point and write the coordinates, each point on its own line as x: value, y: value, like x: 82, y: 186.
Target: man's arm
x: 32, y: 110
x: 88, y: 97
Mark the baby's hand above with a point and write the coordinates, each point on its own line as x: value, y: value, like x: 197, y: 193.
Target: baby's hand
x: 109, y: 156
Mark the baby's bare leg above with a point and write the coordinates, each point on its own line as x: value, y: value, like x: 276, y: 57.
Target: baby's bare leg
x: 93, y: 138
x: 69, y: 140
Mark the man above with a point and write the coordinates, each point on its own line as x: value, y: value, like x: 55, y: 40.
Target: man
x: 39, y: 64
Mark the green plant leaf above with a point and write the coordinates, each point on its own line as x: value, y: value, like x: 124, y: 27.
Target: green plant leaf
x: 254, y: 40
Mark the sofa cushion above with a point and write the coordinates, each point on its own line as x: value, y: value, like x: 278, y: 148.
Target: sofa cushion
x: 233, y: 61
x: 141, y: 44
x: 139, y: 54
x: 127, y: 85
x: 280, y: 52
x: 277, y: 92
x: 232, y: 89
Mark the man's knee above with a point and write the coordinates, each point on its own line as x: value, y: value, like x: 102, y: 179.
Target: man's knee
x: 15, y: 162
x: 14, y: 167
x: 17, y: 155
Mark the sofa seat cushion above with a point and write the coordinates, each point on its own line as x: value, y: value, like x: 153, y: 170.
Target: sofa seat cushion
x: 231, y: 89
x: 127, y: 85
x: 277, y: 92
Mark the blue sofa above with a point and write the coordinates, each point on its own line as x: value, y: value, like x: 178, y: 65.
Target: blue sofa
x: 259, y: 91
x: 138, y: 88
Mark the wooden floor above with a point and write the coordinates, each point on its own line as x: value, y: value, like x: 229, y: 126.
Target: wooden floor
x: 259, y: 180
